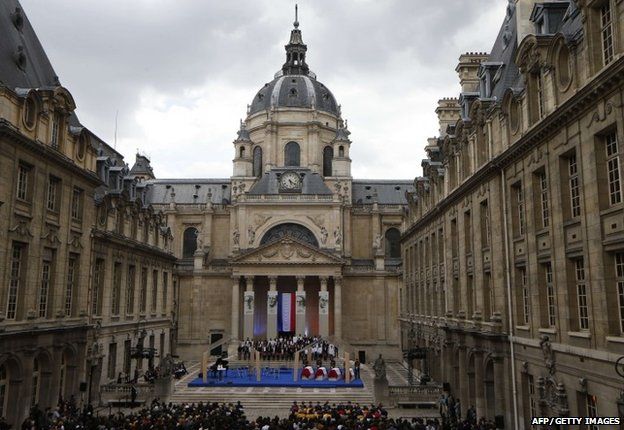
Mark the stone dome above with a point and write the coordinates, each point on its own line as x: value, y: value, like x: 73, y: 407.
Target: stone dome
x: 295, y: 90
x: 295, y: 86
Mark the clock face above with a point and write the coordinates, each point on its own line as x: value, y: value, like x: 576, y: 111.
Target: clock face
x: 290, y: 181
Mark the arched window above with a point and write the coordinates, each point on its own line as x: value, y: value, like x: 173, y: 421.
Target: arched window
x: 292, y: 154
x: 341, y: 151
x: 257, y: 161
x: 241, y: 152
x: 189, y: 245
x: 62, y: 376
x: 328, y: 155
x: 393, y: 243
x: 34, y: 399
x: 4, y: 390
x: 295, y: 231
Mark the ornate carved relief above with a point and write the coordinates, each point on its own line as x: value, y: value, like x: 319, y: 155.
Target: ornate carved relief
x: 22, y: 229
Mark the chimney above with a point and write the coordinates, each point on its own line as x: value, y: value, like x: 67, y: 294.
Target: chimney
x: 448, y: 113
x: 467, y: 70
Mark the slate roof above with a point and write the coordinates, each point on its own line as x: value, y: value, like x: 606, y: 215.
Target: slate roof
x: 502, y: 52
x: 189, y: 191
x: 37, y: 71
x: 269, y: 183
x: 302, y: 91
x: 387, y: 191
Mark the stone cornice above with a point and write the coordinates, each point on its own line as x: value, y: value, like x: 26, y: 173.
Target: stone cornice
x: 575, y: 106
x: 127, y: 243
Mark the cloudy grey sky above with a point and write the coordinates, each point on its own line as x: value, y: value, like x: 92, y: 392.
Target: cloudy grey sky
x: 181, y: 72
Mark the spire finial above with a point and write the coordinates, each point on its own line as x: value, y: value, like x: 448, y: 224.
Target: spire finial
x: 296, y: 23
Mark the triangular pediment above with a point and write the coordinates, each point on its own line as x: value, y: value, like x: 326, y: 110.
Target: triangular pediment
x: 287, y: 250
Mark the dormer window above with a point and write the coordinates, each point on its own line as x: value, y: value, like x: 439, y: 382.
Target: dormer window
x: 55, y: 139
x: 30, y: 112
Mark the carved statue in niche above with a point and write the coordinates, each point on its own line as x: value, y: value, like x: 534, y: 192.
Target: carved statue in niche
x: 235, y: 236
x: 251, y: 233
x: 337, y: 236
x: 377, y: 242
x: 549, y: 355
x: 324, y: 235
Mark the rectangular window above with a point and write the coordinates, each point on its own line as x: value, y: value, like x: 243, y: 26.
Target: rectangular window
x: 72, y: 273
x: 17, y: 255
x: 550, y: 295
x: 485, y: 224
x: 573, y: 182
x: 127, y: 357
x: 44, y: 286
x: 165, y: 291
x: 543, y: 189
x: 154, y: 290
x: 592, y: 409
x: 613, y: 168
x: 23, y: 182
x: 143, y: 294
x: 98, y: 287
x: 130, y: 292
x: 532, y: 401
x: 116, y: 292
x: 53, y: 193
x: 606, y: 33
x: 112, y: 360
x: 581, y: 294
x: 524, y: 288
x: 467, y: 232
x: 619, y: 279
x: 76, y: 204
x: 519, y: 204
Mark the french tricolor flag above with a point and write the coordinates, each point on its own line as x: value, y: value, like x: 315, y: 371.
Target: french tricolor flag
x: 286, y: 312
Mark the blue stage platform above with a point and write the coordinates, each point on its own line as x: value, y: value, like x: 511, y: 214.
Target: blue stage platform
x: 281, y: 378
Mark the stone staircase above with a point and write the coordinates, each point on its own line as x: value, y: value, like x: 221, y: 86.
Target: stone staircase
x: 269, y: 398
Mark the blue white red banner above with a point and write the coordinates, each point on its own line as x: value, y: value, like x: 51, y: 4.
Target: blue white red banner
x: 286, y: 312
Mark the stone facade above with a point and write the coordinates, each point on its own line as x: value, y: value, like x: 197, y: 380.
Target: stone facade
x: 73, y: 221
x: 513, y: 251
x: 332, y: 240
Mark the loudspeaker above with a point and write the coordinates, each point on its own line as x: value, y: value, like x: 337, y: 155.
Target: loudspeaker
x: 83, y: 387
x: 499, y: 421
x: 446, y: 387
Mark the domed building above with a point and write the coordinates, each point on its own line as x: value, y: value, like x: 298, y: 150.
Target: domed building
x: 291, y: 219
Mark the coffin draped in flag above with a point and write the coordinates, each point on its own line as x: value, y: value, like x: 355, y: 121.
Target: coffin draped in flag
x: 286, y: 312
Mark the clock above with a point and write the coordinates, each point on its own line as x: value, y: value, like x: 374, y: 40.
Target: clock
x: 290, y: 182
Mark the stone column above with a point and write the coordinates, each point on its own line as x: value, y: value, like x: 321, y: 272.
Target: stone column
x: 300, y: 306
x: 248, y: 308
x: 324, y: 308
x: 338, y: 308
x: 235, y: 309
x: 272, y: 308
x: 479, y: 385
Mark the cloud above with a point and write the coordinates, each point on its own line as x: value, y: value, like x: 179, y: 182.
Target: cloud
x: 181, y: 72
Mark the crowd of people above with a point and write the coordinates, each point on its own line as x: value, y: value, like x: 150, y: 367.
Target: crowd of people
x: 217, y: 416
x: 451, y: 412
x: 285, y: 348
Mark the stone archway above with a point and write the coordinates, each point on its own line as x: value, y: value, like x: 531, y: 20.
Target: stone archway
x: 472, y: 383
x: 490, y: 396
x: 42, y: 392
x: 10, y: 388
